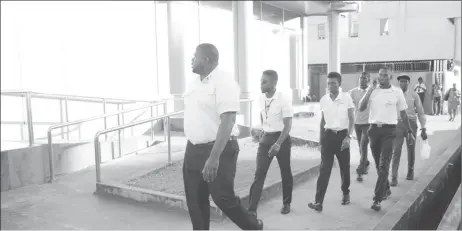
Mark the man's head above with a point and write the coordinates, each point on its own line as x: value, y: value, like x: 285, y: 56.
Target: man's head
x: 384, y: 76
x: 364, y: 80
x: 404, y: 82
x: 454, y: 86
x: 205, y: 58
x: 268, y: 81
x: 334, y: 80
x: 420, y: 80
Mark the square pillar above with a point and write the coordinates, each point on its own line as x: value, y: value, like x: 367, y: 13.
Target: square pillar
x: 333, y: 19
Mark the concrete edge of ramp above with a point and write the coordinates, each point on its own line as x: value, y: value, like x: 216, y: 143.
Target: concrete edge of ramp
x: 177, y: 201
x: 406, y: 212
x: 452, y: 217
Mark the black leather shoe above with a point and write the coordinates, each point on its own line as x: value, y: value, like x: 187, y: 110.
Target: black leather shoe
x: 285, y: 209
x: 260, y: 224
x: 345, y: 199
x: 359, y: 178
x: 366, y: 171
x: 315, y: 206
x: 410, y: 175
x: 394, y: 182
x: 253, y: 213
x: 387, y: 194
x: 376, y: 206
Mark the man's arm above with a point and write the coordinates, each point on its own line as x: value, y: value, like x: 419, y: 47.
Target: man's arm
x: 321, y: 129
x: 365, y: 100
x: 420, y: 110
x: 285, y: 131
x: 402, y: 106
x: 228, y: 119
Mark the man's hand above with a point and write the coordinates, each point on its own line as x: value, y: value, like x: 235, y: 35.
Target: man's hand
x: 374, y: 83
x: 274, y: 150
x: 345, y: 143
x: 210, y: 169
x: 423, y: 134
x: 410, y: 138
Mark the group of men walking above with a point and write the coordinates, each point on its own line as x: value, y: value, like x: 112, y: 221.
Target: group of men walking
x: 379, y: 113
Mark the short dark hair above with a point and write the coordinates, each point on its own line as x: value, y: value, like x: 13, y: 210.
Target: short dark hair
x: 272, y: 74
x: 420, y: 78
x: 366, y: 74
x: 209, y: 50
x: 335, y: 75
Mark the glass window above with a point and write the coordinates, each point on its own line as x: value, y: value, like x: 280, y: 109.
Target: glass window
x: 384, y: 26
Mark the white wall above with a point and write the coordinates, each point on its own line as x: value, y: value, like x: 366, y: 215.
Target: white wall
x: 417, y: 31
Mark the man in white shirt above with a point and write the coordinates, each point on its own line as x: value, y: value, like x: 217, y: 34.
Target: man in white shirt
x: 211, y: 153
x: 420, y: 89
x: 384, y: 102
x: 276, y: 119
x: 336, y: 127
x: 414, y: 110
x: 361, y: 124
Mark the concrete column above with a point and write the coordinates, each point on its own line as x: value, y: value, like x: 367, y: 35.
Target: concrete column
x: 306, y: 81
x: 242, y: 16
x: 295, y: 68
x: 333, y: 19
x: 457, y: 37
x: 176, y: 49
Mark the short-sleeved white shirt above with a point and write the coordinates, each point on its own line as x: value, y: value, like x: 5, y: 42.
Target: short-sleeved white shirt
x: 385, y: 104
x: 205, y: 101
x: 336, y: 111
x: 273, y: 110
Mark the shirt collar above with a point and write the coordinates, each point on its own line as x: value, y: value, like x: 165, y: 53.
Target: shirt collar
x: 275, y: 96
x: 210, y: 75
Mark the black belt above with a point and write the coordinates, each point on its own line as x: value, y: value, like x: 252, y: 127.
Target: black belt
x: 384, y: 125
x: 271, y: 133
x: 336, y: 131
x: 231, y: 138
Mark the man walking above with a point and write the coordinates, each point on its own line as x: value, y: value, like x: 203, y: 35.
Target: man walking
x: 420, y: 88
x: 336, y: 127
x: 361, y: 124
x: 414, y: 110
x: 276, y: 119
x: 437, y: 94
x: 385, y: 102
x: 212, y: 149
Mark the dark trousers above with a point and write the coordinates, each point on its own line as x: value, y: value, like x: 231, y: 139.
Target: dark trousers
x: 222, y: 188
x: 381, y: 139
x: 421, y: 96
x: 263, y: 164
x: 437, y: 105
x: 401, y: 134
x: 331, y: 143
x: 363, y: 141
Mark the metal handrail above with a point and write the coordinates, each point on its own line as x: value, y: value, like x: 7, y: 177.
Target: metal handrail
x: 166, y: 125
x: 104, y: 116
x: 98, y: 134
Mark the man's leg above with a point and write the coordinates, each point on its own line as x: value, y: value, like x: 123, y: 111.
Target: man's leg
x: 197, y: 193
x: 382, y: 186
x: 438, y: 105
x: 375, y: 145
x: 343, y: 158
x: 283, y: 158
x: 411, y: 151
x: 327, y: 161
x: 401, y: 133
x: 222, y: 190
x: 263, y: 164
x: 364, y: 143
x: 361, y: 167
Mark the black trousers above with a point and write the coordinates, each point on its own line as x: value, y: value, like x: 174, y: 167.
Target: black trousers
x: 331, y: 144
x: 363, y: 141
x: 421, y: 96
x: 437, y: 105
x: 222, y: 188
x: 263, y: 164
x: 381, y: 138
x: 400, y: 136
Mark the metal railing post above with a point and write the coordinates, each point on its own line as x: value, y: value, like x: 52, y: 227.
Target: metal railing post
x: 250, y: 119
x: 61, y: 116
x: 97, y: 159
x: 30, y: 126
x: 165, y: 123
x: 152, y: 124
x: 66, y: 109
x: 119, y: 133
x: 51, y: 156
x: 105, y: 118
x: 169, y: 144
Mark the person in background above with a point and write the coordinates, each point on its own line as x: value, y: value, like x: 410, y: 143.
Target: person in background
x: 276, y: 119
x: 210, y: 158
x: 436, y: 95
x: 361, y: 124
x: 335, y: 132
x: 414, y: 110
x: 385, y: 103
x: 420, y: 88
x: 453, y: 101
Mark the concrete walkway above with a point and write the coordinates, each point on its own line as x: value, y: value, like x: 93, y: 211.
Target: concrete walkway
x: 69, y: 203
